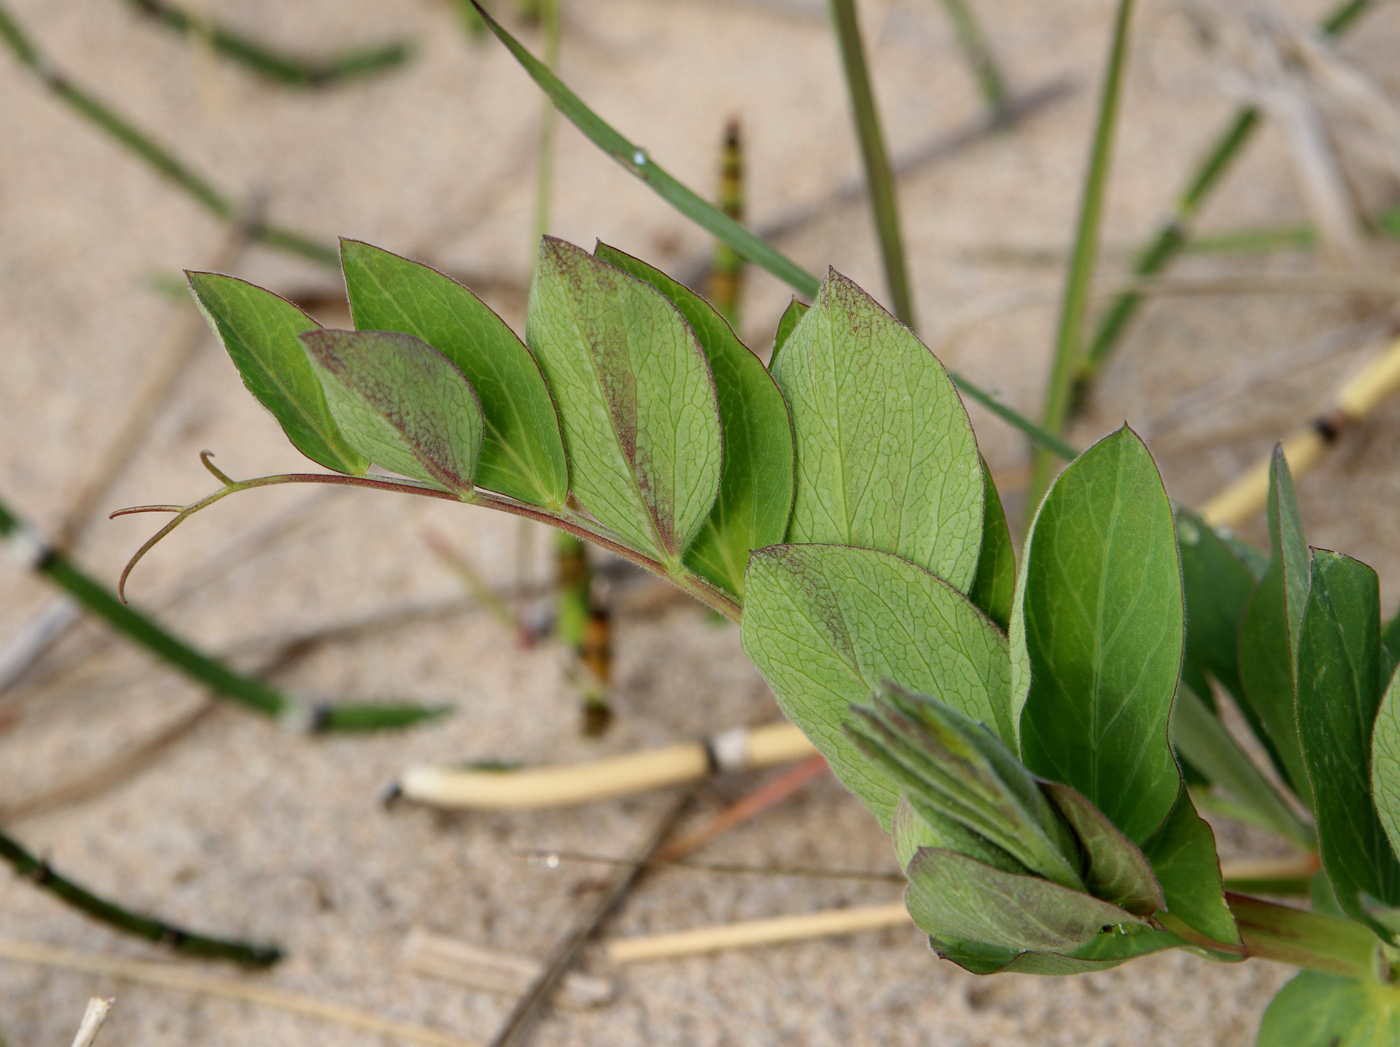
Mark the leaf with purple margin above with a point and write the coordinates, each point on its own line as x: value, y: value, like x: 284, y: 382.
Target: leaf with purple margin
x: 756, y: 476
x: 400, y: 403
x: 522, y: 451
x: 260, y: 331
x: 635, y: 396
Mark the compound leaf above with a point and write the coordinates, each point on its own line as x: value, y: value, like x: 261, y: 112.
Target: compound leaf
x: 1325, y: 1010
x: 953, y: 897
x: 756, y: 477
x: 1099, y: 616
x: 401, y: 404
x: 522, y: 452
x: 635, y: 397
x: 886, y: 458
x: 825, y: 624
x: 1268, y: 643
x: 260, y: 331
x: 1339, y: 695
x: 1183, y: 856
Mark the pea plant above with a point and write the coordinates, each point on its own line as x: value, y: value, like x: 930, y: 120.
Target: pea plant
x: 1029, y: 737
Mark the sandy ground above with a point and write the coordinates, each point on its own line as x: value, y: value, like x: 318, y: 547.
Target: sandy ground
x: 247, y: 830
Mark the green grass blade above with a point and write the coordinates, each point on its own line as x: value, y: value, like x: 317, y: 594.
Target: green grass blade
x: 978, y: 53
x: 720, y: 225
x: 1078, y: 281
x: 879, y: 177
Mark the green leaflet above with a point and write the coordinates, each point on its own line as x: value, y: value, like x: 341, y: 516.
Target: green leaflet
x: 1115, y: 870
x: 825, y: 624
x: 886, y: 458
x: 953, y: 897
x: 401, y: 404
x: 961, y: 770
x: 1183, y: 856
x: 1268, y: 644
x: 1324, y: 1010
x: 787, y: 323
x: 1098, y: 622
x: 1385, y: 762
x: 756, y: 477
x: 994, y: 587
x: 635, y: 396
x: 260, y: 331
x: 522, y: 453
x: 1390, y: 640
x: 1339, y: 694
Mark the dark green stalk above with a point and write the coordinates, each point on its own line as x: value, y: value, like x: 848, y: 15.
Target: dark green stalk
x: 979, y: 54
x: 716, y: 222
x: 223, y: 681
x: 879, y: 178
x: 186, y: 943
x: 269, y: 62
x: 1079, y: 279
x: 156, y: 156
x: 1173, y: 234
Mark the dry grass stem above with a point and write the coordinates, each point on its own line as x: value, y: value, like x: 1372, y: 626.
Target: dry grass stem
x: 453, y: 960
x: 93, y: 1018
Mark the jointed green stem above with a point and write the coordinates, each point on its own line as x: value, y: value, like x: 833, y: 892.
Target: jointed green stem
x: 1086, y: 241
x: 1173, y: 234
x: 180, y: 940
x: 879, y: 177
x: 1307, y: 939
x: 271, y: 63
x: 160, y: 159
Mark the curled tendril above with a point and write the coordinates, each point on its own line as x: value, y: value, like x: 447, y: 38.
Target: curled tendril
x: 576, y: 525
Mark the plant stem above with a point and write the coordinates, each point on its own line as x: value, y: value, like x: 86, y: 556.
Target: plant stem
x: 1080, y: 277
x: 549, y: 123
x: 979, y: 54
x: 879, y: 178
x: 218, y: 677
x: 1306, y: 939
x: 726, y: 275
x: 1174, y: 233
x: 181, y: 941
x: 270, y: 63
x: 156, y: 156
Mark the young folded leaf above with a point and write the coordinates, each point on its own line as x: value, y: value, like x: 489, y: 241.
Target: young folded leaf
x: 1099, y: 623
x: 1218, y: 585
x: 400, y: 403
x: 756, y: 477
x: 635, y: 397
x: 1339, y: 695
x: 919, y: 824
x: 886, y: 458
x: 522, y: 451
x: 954, y: 897
x: 1325, y: 1010
x: 1115, y: 870
x: 994, y: 588
x: 787, y: 323
x: 260, y: 331
x: 825, y: 624
x: 1268, y: 643
x: 965, y: 773
x: 1184, y: 858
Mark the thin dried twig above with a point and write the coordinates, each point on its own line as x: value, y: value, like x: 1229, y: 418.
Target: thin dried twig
x: 93, y: 1018
x: 169, y: 976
